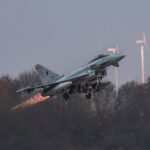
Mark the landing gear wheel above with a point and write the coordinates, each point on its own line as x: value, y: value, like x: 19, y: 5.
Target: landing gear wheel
x: 66, y: 96
x: 88, y: 96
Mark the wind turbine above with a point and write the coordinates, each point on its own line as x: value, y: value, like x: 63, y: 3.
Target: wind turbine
x: 114, y: 50
x: 142, y: 43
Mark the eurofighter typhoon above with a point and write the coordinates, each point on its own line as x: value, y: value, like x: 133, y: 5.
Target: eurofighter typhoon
x: 86, y: 80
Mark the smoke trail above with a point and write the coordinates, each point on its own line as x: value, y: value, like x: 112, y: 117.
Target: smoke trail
x: 31, y: 101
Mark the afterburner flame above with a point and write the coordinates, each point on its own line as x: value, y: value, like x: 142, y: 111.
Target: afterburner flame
x: 31, y: 101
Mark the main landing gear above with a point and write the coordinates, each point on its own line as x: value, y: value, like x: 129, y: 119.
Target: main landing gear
x: 88, y: 95
x: 66, y: 96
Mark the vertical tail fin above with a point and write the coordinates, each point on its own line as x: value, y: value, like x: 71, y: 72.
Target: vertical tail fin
x: 46, y: 76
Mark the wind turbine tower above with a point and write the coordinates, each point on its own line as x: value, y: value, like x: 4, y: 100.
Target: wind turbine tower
x: 114, y: 50
x: 142, y: 43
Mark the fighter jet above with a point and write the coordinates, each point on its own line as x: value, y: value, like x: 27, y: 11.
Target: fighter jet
x: 87, y: 79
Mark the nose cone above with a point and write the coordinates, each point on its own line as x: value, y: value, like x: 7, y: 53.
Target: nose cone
x: 120, y: 57
x: 116, y: 58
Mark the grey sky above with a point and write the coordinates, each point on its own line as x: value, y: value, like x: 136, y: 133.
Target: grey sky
x: 65, y: 34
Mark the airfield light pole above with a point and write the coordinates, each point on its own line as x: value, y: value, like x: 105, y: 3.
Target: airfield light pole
x: 114, y: 50
x: 142, y: 43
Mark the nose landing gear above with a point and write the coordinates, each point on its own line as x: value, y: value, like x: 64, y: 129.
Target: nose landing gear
x: 66, y: 96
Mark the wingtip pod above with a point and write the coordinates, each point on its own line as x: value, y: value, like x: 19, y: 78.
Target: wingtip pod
x: 18, y: 91
x: 21, y: 90
x: 26, y: 89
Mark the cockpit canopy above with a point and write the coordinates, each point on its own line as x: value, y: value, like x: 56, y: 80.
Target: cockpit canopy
x: 98, y: 57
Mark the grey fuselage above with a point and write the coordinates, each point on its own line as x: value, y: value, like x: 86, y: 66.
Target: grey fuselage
x: 93, y: 66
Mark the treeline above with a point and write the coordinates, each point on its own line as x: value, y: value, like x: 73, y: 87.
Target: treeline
x: 108, y: 121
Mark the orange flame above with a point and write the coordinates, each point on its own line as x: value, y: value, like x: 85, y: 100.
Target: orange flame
x: 31, y: 101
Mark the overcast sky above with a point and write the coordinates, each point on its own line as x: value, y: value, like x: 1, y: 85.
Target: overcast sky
x: 65, y: 34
